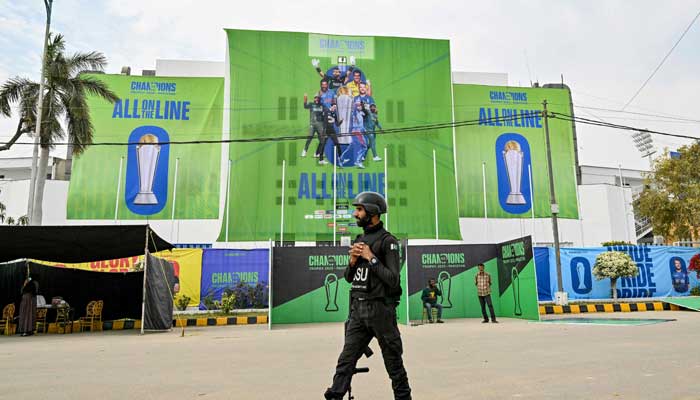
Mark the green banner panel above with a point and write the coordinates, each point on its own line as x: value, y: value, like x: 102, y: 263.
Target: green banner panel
x: 501, y: 149
x: 308, y: 285
x: 150, y: 113
x: 517, y: 282
x: 407, y: 80
x: 453, y: 267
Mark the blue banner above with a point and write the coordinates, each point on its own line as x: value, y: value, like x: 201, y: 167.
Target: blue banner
x: 224, y: 268
x: 663, y: 272
x: 544, y: 288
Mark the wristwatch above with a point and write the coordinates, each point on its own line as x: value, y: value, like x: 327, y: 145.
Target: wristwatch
x: 374, y: 261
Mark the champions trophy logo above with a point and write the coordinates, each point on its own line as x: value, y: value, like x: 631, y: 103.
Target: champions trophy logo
x: 581, y: 272
x: 513, y: 157
x: 331, y: 286
x: 515, y: 278
x: 147, y: 152
x: 444, y: 282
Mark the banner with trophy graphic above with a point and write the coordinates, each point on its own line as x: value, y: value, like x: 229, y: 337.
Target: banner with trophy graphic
x: 148, y: 176
x: 308, y: 285
x: 454, y: 267
x: 517, y: 280
x: 345, y: 99
x: 502, y: 151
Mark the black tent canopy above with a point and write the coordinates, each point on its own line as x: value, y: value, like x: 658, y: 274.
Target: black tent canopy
x: 122, y: 292
x: 77, y: 243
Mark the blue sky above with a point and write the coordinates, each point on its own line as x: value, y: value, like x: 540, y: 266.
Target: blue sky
x: 604, y: 49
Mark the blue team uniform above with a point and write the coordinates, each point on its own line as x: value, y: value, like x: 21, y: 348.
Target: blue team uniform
x: 680, y: 281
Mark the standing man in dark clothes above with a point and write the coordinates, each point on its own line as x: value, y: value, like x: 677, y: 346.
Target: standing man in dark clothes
x: 331, y: 119
x: 316, y: 122
x: 429, y: 298
x: 482, y: 280
x: 373, y: 272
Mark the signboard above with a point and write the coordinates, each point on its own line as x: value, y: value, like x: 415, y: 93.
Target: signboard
x: 151, y: 113
x: 500, y: 143
x: 377, y: 89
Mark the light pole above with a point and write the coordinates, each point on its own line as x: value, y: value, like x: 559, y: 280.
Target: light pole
x: 644, y: 143
x: 40, y: 103
x: 561, y: 296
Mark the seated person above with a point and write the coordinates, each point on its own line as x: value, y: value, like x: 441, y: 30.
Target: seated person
x: 429, y: 298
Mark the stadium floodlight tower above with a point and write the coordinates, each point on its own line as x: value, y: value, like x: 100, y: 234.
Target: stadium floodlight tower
x: 644, y: 143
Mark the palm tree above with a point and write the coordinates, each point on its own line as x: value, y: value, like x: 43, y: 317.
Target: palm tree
x: 4, y: 218
x: 65, y: 98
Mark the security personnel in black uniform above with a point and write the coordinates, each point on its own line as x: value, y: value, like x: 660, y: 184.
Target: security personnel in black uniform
x: 374, y: 274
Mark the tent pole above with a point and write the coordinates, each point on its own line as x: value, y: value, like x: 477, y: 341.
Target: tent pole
x: 145, y: 267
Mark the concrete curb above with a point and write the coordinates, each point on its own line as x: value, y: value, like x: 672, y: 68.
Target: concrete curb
x: 608, y: 307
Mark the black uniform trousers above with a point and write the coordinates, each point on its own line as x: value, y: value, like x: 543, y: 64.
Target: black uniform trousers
x: 329, y: 132
x: 369, y: 319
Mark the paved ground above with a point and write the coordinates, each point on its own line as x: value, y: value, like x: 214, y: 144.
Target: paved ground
x: 461, y: 359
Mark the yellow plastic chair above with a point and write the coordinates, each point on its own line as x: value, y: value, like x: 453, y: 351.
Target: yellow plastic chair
x: 41, y: 320
x: 424, y: 318
x: 89, y: 319
x: 98, y: 313
x: 63, y: 320
x: 7, y: 321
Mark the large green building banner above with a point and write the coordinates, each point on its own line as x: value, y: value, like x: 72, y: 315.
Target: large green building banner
x: 501, y: 153
x: 138, y: 180
x: 362, y: 91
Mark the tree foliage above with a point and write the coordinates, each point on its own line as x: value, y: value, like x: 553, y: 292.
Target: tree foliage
x: 614, y: 265
x: 671, y: 195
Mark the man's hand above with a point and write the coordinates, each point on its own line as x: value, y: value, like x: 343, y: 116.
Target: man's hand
x: 306, y: 98
x: 362, y: 250
x: 355, y: 253
x: 352, y: 60
x: 176, y: 288
x: 315, y: 62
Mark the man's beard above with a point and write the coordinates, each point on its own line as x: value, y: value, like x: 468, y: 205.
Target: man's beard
x: 364, y: 221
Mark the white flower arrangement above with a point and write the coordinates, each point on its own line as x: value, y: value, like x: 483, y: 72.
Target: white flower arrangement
x: 614, y: 264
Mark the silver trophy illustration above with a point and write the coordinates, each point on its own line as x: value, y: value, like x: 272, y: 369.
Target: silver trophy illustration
x: 147, y: 152
x: 444, y: 281
x: 331, y: 286
x: 515, y: 277
x: 581, y: 272
x: 513, y: 158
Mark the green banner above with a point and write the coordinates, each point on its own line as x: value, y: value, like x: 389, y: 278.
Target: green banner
x: 504, y: 142
x: 151, y: 112
x: 517, y: 282
x: 308, y: 285
x: 454, y: 267
x: 398, y: 83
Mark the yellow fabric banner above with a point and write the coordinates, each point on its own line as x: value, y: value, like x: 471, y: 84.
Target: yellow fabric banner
x: 186, y: 262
